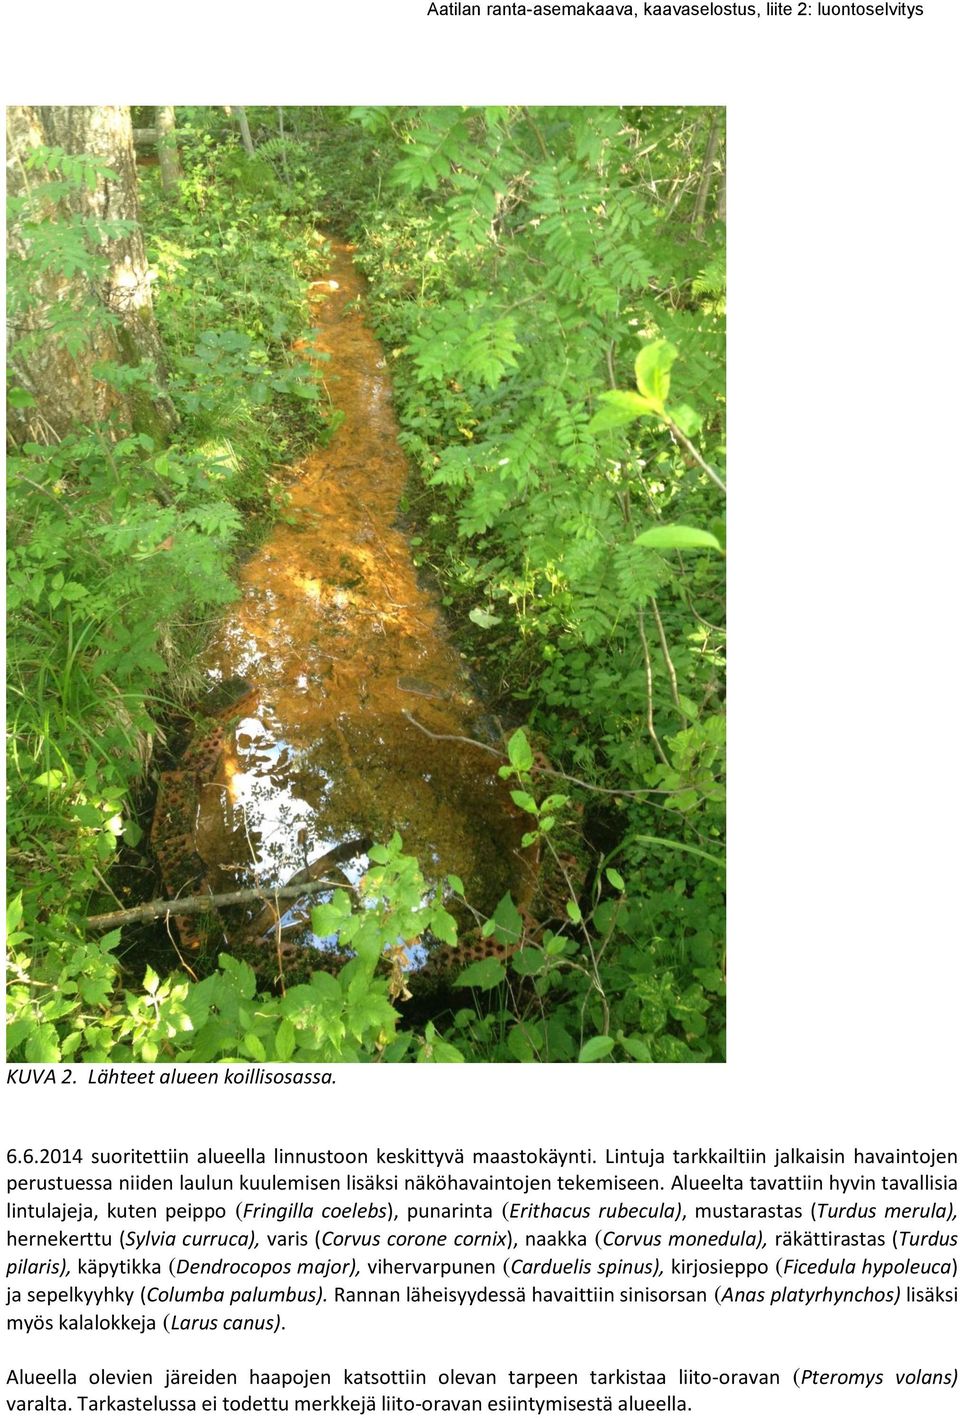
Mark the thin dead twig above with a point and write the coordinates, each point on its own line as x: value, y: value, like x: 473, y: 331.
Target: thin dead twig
x: 696, y: 455
x: 541, y: 768
x: 649, y: 668
x: 666, y: 655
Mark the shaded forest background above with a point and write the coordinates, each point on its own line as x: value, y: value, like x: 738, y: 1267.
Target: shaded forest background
x: 550, y: 287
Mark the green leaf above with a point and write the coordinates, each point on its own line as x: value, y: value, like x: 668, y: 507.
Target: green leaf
x: 436, y: 1049
x: 532, y: 1031
x: 711, y: 979
x: 239, y: 975
x: 528, y: 961
x: 443, y: 925
x: 675, y: 537
x: 325, y: 920
x: 482, y: 974
x: 456, y: 884
x: 495, y: 116
x: 620, y: 406
x: 254, y: 1047
x: 507, y: 921
x: 519, y: 752
x: 687, y: 420
x: 42, y: 1045
x: 637, y: 1049
x: 395, y: 1051
x: 525, y: 801
x: 574, y: 912
x: 520, y: 1044
x: 485, y: 619
x: 684, y: 801
x: 652, y: 368
x: 53, y: 778
x: 596, y: 1048
x: 14, y: 912
x: 554, y: 802
x: 286, y: 1041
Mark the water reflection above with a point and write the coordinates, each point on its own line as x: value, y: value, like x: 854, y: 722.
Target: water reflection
x: 341, y: 645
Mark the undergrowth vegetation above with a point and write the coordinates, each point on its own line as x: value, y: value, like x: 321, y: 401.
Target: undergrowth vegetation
x: 552, y: 286
x: 549, y: 285
x: 120, y: 542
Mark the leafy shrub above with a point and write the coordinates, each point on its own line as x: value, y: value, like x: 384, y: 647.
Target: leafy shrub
x: 550, y: 284
x: 576, y: 526
x: 66, y: 1001
x: 120, y: 547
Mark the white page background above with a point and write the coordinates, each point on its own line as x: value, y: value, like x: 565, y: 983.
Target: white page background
x: 842, y: 560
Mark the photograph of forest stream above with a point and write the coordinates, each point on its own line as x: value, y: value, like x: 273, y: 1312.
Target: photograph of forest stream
x: 365, y: 584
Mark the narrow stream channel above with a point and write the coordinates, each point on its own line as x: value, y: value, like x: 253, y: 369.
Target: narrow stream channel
x: 340, y: 644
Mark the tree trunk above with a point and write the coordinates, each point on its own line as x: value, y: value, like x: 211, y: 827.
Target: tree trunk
x: 170, y: 169
x: 283, y: 150
x: 241, y: 113
x: 68, y: 321
x: 706, y: 175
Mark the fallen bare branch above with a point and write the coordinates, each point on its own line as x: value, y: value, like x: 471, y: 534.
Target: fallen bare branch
x: 193, y: 905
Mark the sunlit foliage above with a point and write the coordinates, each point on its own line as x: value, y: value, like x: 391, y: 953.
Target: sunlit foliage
x: 550, y: 286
